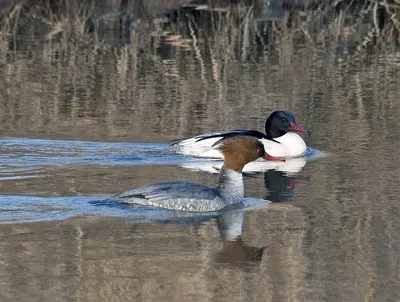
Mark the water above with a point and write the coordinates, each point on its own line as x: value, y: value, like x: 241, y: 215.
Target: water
x: 87, y: 115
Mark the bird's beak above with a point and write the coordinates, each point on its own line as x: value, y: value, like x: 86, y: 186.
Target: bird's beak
x: 273, y: 158
x: 296, y: 128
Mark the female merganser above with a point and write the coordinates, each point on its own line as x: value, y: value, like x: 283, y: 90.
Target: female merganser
x: 278, y: 140
x: 187, y: 196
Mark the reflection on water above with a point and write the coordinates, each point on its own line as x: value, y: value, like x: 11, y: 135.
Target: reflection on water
x: 289, y: 166
x: 105, y: 88
x: 280, y: 186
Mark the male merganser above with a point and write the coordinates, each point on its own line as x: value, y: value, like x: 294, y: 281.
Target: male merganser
x: 187, y: 196
x: 278, y: 140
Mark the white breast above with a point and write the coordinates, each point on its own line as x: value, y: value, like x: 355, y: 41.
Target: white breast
x: 290, y: 145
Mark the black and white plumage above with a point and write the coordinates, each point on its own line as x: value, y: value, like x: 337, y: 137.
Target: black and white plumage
x: 279, y: 139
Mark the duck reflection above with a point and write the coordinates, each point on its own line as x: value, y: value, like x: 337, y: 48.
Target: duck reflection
x: 234, y: 251
x: 230, y: 220
x: 291, y: 165
x: 280, y: 186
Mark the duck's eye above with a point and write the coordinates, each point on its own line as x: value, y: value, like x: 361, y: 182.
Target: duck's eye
x: 259, y: 151
x: 284, y: 120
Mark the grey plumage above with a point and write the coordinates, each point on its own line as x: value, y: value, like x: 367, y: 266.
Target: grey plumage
x: 176, y: 195
x: 188, y: 196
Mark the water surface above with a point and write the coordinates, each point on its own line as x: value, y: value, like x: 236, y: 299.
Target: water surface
x: 85, y: 115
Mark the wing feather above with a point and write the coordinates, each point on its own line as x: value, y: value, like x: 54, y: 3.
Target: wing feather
x: 185, y: 196
x: 219, y: 135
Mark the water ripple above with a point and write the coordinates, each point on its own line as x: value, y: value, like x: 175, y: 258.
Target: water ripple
x: 24, y: 157
x: 19, y: 208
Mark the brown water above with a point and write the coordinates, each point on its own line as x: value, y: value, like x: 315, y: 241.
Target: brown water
x: 116, y: 101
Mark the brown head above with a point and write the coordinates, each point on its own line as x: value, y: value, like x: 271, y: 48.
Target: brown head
x: 240, y: 150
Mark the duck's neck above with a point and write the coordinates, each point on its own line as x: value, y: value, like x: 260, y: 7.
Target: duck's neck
x: 230, y: 185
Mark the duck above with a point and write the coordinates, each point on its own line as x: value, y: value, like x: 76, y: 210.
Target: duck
x: 280, y: 139
x: 187, y: 196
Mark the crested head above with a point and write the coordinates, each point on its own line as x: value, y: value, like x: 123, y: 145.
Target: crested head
x: 239, y: 150
x: 281, y: 122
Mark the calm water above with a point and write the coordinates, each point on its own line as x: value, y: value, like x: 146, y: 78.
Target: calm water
x: 87, y: 115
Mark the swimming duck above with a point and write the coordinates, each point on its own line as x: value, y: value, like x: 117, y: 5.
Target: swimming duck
x: 187, y: 196
x: 279, y: 139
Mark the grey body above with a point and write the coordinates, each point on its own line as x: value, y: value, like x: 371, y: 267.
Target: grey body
x: 188, y: 196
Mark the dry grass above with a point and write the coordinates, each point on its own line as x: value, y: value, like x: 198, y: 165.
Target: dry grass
x: 77, y: 69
